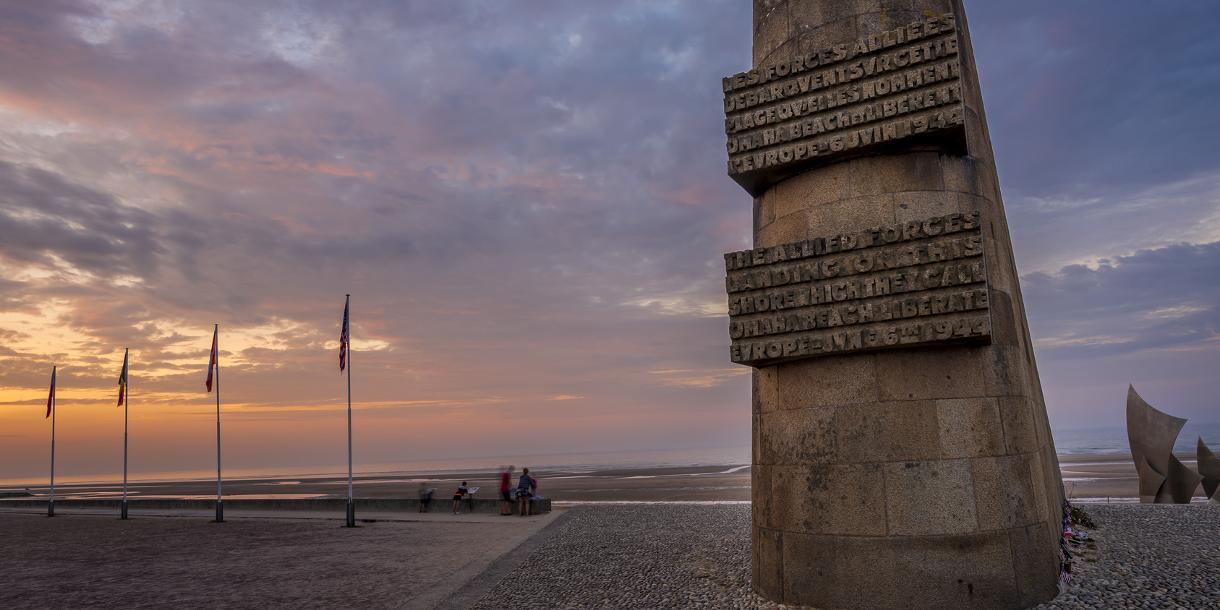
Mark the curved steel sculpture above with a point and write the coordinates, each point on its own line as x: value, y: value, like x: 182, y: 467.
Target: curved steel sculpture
x: 1209, y: 467
x: 1181, y: 482
x: 1163, y: 478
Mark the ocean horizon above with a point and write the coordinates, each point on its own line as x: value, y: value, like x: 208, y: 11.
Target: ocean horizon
x: 1100, y: 441
x: 1112, y: 440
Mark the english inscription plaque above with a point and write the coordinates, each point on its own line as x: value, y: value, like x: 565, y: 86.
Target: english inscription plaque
x: 845, y: 99
x: 910, y: 283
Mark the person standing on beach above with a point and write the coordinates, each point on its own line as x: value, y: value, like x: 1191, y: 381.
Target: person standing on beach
x: 506, y: 499
x: 461, y: 492
x: 525, y: 492
x: 425, y: 497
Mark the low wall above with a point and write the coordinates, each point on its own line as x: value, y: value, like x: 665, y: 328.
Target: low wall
x: 336, y: 505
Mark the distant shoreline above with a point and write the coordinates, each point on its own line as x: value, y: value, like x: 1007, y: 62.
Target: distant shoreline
x: 1095, y: 476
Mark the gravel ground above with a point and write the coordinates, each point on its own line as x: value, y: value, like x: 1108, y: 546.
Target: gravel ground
x: 1148, y: 556
x: 683, y: 556
x: 675, y: 556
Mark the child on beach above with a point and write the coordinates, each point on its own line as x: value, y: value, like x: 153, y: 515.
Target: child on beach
x: 461, y: 492
x: 525, y: 492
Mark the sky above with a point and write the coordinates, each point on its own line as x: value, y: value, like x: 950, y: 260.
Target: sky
x: 528, y: 203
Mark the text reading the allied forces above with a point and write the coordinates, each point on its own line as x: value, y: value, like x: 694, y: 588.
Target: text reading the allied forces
x: 907, y: 283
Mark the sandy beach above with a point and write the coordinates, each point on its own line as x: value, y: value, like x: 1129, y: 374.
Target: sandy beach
x: 1086, y: 478
x: 1107, y: 478
x: 679, y: 483
x: 1098, y: 478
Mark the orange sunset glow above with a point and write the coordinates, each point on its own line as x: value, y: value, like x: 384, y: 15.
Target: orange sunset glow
x: 532, y: 240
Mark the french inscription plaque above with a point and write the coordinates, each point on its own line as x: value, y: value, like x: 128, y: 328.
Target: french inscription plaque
x: 845, y: 99
x: 905, y: 284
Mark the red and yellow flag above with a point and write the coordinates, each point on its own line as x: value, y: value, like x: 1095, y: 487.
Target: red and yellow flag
x: 123, y: 380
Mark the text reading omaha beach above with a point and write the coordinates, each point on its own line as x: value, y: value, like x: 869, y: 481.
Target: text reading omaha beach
x: 890, y: 86
x: 900, y: 284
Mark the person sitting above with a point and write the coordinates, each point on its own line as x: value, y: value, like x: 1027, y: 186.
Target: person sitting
x: 526, y: 487
x: 425, y: 497
x: 461, y: 492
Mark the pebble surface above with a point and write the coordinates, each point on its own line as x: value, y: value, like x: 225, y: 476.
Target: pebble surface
x: 1147, y: 556
x: 698, y: 556
x: 656, y: 556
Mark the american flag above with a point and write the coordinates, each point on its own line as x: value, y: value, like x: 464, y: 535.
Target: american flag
x: 344, y: 335
x: 214, y: 357
x: 51, y: 396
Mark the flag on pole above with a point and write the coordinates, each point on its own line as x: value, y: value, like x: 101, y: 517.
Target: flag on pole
x: 344, y: 337
x: 123, y: 381
x: 51, y: 396
x: 213, y: 358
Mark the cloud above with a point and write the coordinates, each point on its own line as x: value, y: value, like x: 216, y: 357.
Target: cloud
x: 495, y: 201
x: 1049, y: 233
x: 522, y: 217
x: 1153, y: 299
x: 1077, y: 110
x: 700, y: 378
x: 72, y: 232
x: 1152, y: 317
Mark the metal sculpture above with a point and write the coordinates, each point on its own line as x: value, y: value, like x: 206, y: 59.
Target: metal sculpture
x: 1181, y: 482
x: 1209, y: 467
x: 1163, y: 478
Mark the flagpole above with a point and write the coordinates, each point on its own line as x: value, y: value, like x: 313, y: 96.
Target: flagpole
x: 126, y: 399
x: 220, y: 507
x: 351, y: 506
x: 51, y: 503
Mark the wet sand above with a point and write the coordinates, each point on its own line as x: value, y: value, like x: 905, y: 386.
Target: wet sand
x: 1098, y: 477
x: 681, y: 483
x: 1107, y: 478
x: 1086, y: 478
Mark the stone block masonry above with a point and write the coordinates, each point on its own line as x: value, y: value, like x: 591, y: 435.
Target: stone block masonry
x: 902, y: 453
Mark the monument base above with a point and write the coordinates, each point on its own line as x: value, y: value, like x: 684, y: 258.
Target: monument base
x: 902, y: 480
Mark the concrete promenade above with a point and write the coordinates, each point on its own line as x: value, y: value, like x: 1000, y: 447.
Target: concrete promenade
x: 291, y: 505
x: 87, y: 558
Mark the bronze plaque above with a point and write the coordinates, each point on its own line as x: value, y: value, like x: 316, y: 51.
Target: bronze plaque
x: 905, y: 284
x: 845, y: 99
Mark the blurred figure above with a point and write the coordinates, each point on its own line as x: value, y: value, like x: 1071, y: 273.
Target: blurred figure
x: 461, y: 492
x: 425, y: 497
x: 506, y: 498
x: 526, y: 487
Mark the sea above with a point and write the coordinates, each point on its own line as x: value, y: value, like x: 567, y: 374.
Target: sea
x: 1104, y: 441
x: 1113, y: 440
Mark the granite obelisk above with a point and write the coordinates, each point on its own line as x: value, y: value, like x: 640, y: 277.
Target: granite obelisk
x: 902, y: 452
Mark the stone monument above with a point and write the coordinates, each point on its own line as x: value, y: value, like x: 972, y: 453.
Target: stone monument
x: 902, y: 453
